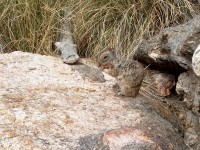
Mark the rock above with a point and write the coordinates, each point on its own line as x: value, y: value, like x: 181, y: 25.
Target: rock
x: 169, y: 106
x: 192, y: 133
x: 196, y: 102
x: 165, y: 82
x: 128, y: 138
x: 44, y: 104
x: 195, y: 1
x: 175, y: 51
x: 196, y: 61
x: 91, y: 73
x: 188, y: 86
x: 157, y: 84
x: 172, y: 49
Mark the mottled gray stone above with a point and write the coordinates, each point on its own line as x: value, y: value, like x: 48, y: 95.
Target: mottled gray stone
x: 44, y: 104
x: 188, y: 87
x: 196, y: 61
x: 172, y: 49
x: 92, y: 142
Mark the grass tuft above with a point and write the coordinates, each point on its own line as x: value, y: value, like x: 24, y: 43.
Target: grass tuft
x: 30, y: 25
x: 34, y: 25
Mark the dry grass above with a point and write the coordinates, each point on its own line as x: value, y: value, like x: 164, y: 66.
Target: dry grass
x: 33, y: 25
x: 30, y: 25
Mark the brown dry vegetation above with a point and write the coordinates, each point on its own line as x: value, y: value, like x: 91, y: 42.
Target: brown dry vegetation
x: 34, y: 25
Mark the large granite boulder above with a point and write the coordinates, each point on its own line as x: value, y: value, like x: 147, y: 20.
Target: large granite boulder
x: 45, y: 104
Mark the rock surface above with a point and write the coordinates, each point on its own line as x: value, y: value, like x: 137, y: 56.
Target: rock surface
x: 44, y: 104
x: 90, y: 73
x: 188, y: 85
x: 157, y: 84
x: 173, y: 48
x: 196, y: 61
